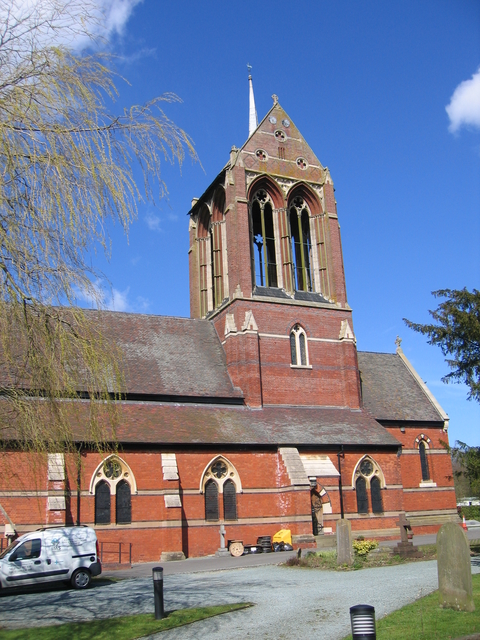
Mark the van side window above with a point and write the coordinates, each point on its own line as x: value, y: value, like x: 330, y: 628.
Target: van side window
x: 27, y: 550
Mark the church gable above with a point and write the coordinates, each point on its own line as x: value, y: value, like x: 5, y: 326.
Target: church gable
x: 278, y: 148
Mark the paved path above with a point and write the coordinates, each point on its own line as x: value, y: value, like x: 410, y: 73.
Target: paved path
x: 290, y: 602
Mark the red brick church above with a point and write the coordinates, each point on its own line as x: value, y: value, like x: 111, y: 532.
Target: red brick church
x: 258, y: 412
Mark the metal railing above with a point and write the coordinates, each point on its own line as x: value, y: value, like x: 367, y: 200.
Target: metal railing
x: 115, y: 552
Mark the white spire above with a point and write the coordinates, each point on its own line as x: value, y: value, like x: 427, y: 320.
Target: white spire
x: 252, y: 112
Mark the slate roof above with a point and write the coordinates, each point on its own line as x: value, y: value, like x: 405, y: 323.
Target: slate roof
x: 391, y: 392
x: 168, y: 423
x: 165, y: 355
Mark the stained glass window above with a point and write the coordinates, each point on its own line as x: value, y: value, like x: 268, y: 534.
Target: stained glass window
x: 102, y: 503
x: 229, y: 500
x: 423, y: 461
x: 211, y: 500
x: 362, y: 499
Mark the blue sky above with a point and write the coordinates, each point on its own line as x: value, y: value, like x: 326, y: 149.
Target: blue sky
x: 367, y: 83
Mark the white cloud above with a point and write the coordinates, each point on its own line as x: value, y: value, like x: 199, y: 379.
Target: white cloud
x: 464, y: 107
x: 72, y: 23
x: 118, y: 300
x: 99, y: 296
x: 153, y: 222
x: 116, y: 13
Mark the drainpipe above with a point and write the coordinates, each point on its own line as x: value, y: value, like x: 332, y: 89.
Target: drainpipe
x: 340, y: 455
x: 79, y: 483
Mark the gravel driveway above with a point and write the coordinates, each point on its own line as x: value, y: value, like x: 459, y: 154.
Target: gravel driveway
x: 290, y: 602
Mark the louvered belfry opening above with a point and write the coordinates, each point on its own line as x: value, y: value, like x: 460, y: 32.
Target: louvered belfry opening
x: 376, y: 495
x: 211, y: 501
x: 102, y: 503
x: 229, y: 500
x: 362, y: 498
x: 123, y: 503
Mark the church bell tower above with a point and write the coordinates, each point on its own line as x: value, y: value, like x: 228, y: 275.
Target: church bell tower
x: 266, y: 268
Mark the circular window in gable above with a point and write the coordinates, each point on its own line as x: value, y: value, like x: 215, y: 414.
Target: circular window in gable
x: 302, y: 163
x: 280, y: 135
x: 261, y: 155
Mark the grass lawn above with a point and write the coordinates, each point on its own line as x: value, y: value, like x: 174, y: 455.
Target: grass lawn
x: 425, y: 620
x: 124, y: 628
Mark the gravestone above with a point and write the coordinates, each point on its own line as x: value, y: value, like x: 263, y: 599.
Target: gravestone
x: 222, y: 550
x: 405, y: 547
x: 344, y: 542
x: 454, y: 569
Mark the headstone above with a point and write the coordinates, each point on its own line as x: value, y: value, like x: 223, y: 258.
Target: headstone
x: 222, y: 550
x: 405, y: 547
x: 454, y: 569
x: 344, y: 542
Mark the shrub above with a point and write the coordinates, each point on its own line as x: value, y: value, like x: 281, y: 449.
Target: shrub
x: 470, y: 513
x: 363, y: 547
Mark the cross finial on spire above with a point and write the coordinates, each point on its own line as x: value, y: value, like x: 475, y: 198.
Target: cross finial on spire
x: 275, y: 98
x: 398, y: 342
x: 252, y: 114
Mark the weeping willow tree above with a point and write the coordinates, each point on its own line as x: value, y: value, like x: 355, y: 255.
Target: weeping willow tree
x: 67, y: 165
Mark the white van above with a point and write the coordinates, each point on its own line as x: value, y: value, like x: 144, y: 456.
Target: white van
x: 47, y: 555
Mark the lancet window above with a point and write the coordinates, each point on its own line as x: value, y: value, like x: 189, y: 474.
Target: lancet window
x: 211, y: 244
x: 298, y: 347
x: 113, y: 478
x: 263, y: 237
x: 422, y: 449
x: 220, y: 484
x: 368, y: 475
x: 301, y: 244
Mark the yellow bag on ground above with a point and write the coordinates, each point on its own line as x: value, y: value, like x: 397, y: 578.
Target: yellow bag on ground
x: 284, y: 535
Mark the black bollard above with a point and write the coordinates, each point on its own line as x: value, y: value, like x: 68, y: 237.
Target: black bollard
x: 362, y: 617
x: 158, y: 592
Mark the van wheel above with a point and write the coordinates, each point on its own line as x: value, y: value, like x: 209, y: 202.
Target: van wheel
x: 80, y: 579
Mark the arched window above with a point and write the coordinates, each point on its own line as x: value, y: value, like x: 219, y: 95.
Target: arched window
x: 263, y: 240
x: 205, y: 258
x: 123, y: 503
x: 301, y: 244
x: 211, y: 501
x: 422, y: 449
x: 362, y: 499
x: 113, y: 477
x: 216, y: 243
x: 298, y: 347
x: 376, y: 495
x: 229, y: 501
x: 368, y: 475
x: 220, y: 477
x: 102, y: 503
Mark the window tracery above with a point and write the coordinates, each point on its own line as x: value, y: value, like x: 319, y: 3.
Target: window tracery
x: 301, y: 244
x: 298, y: 347
x: 220, y: 478
x: 263, y: 238
x: 113, y: 477
x: 368, y: 476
